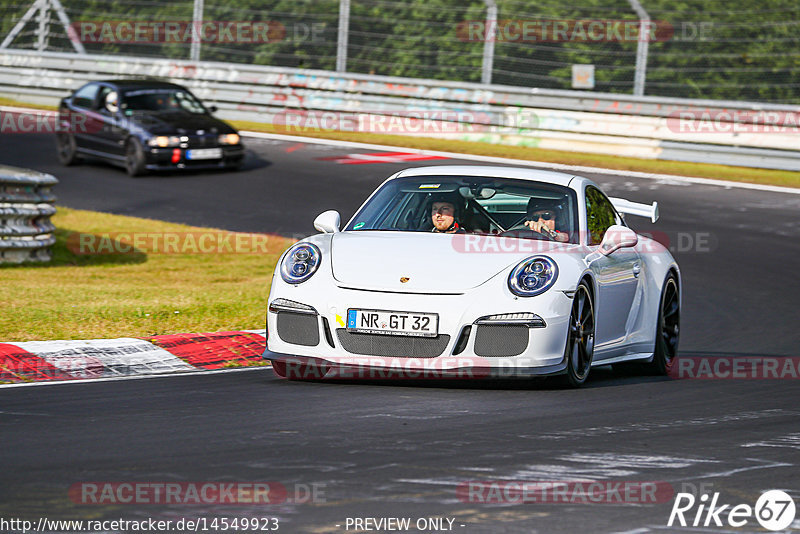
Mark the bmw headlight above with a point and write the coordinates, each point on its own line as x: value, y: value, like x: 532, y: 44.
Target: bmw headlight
x: 164, y: 141
x: 229, y: 139
x: 300, y: 262
x: 533, y: 276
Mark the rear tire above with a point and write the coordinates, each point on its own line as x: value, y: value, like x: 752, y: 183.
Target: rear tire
x: 67, y: 149
x: 579, y: 350
x: 134, y: 158
x: 668, y: 328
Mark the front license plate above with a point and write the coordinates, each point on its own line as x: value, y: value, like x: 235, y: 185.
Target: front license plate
x: 393, y: 322
x: 204, y: 153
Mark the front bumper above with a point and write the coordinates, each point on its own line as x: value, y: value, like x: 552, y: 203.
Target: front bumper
x: 157, y: 158
x: 467, y: 346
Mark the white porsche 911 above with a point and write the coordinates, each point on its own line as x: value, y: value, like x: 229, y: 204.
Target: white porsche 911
x: 473, y: 271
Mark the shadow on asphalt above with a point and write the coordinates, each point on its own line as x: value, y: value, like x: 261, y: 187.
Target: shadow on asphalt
x: 252, y: 161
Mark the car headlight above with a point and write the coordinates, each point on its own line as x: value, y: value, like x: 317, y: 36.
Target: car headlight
x: 533, y: 276
x: 164, y: 141
x: 229, y: 139
x: 300, y: 262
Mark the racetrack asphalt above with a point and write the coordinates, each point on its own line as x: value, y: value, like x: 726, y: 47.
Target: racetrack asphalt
x: 401, y: 449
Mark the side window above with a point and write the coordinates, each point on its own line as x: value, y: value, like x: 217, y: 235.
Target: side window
x: 85, y: 96
x: 600, y: 214
x: 101, y: 100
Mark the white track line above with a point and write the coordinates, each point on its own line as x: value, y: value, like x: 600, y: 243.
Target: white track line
x: 525, y: 163
x: 196, y: 372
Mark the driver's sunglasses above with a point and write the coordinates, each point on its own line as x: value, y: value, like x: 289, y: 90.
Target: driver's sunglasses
x: 546, y: 215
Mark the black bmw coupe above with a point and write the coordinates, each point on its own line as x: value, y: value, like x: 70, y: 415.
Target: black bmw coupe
x: 144, y: 125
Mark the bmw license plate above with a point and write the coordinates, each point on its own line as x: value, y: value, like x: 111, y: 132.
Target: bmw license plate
x: 204, y: 153
x: 393, y: 322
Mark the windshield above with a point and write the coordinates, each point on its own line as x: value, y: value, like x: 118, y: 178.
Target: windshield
x: 480, y: 205
x: 162, y: 99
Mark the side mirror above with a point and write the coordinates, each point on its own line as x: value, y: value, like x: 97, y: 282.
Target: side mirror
x: 617, y: 237
x: 328, y: 222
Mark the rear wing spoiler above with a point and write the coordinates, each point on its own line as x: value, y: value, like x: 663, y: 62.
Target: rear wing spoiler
x: 635, y: 208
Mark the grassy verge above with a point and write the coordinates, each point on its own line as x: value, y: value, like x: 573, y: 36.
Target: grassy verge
x: 702, y: 170
x: 11, y: 102
x: 138, y: 293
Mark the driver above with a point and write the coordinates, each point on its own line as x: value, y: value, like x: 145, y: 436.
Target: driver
x: 444, y: 215
x: 542, y: 214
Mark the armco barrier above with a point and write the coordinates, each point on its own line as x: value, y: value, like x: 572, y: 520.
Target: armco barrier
x: 740, y: 133
x: 26, y: 205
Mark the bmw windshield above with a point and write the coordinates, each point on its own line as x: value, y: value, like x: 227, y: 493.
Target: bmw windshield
x: 161, y: 99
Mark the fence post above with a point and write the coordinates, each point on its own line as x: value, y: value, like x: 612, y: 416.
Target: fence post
x: 488, y: 41
x: 43, y: 29
x: 341, y: 41
x: 642, y: 47
x: 197, y: 20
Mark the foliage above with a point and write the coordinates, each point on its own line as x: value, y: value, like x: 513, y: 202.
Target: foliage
x: 744, y: 50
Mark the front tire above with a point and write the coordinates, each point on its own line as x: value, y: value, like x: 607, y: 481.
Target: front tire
x: 67, y: 149
x: 134, y: 158
x: 579, y: 350
x: 667, y: 329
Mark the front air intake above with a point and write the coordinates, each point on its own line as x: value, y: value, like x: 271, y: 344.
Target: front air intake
x: 298, y: 328
x: 500, y: 340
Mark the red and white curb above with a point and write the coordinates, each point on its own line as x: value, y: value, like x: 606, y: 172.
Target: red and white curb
x: 39, y: 361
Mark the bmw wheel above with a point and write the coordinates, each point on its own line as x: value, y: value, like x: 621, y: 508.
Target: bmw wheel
x: 668, y: 329
x: 580, y: 337
x: 67, y: 149
x: 134, y: 158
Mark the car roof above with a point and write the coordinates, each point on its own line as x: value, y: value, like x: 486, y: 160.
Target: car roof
x: 141, y: 84
x: 492, y: 171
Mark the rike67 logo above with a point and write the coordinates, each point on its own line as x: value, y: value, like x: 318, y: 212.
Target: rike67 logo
x: 774, y: 510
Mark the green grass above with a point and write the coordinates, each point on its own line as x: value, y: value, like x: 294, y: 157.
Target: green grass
x: 680, y: 168
x: 141, y: 293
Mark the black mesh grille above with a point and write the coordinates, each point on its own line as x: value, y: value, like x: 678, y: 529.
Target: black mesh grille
x: 501, y: 340
x: 298, y: 328
x: 392, y: 346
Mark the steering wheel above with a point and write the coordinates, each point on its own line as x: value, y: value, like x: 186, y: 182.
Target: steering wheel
x: 520, y: 230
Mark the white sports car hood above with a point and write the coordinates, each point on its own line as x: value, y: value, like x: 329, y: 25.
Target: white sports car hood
x: 431, y: 263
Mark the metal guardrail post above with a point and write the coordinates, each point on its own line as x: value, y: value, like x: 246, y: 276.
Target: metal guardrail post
x: 26, y: 205
x: 490, y: 31
x: 197, y: 20
x: 642, y: 47
x: 341, y: 40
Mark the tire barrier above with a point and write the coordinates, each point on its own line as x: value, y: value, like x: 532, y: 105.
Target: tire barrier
x: 26, y: 205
